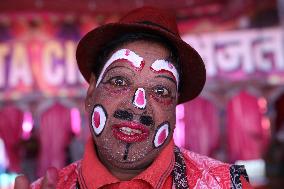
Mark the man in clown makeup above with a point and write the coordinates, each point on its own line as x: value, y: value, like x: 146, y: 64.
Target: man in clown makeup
x: 138, y: 70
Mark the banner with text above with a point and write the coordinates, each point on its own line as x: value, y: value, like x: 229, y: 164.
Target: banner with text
x: 46, y: 66
x: 242, y: 55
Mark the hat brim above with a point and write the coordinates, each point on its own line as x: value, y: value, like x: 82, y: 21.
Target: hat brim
x: 193, y: 74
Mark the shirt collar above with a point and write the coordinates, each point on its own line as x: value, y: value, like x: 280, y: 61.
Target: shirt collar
x: 155, y: 174
x: 161, y: 168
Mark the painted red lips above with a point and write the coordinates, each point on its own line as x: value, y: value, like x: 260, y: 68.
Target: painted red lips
x: 130, y: 132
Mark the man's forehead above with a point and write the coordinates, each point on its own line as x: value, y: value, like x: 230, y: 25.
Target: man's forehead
x: 138, y: 53
x: 149, y: 50
x: 160, y: 66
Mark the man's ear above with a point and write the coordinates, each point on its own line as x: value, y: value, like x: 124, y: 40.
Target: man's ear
x: 90, y: 93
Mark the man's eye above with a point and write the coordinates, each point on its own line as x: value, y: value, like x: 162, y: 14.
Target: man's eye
x: 162, y: 91
x: 118, y: 81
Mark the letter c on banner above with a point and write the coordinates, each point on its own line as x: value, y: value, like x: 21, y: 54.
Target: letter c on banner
x: 53, y: 70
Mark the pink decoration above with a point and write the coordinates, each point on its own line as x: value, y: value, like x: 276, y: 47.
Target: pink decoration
x: 55, y: 129
x: 140, y: 98
x: 27, y: 125
x: 201, y: 127
x: 75, y: 121
x: 11, y: 132
x: 161, y: 134
x: 179, y: 132
x: 162, y: 137
x: 97, y: 119
x: 248, y: 134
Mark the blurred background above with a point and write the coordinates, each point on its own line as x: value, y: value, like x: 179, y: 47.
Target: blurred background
x: 239, y: 117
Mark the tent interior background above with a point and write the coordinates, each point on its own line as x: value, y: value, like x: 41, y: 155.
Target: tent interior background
x: 239, y: 117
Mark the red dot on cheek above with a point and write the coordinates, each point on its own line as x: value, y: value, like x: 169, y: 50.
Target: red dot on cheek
x: 162, y: 136
x: 97, y: 119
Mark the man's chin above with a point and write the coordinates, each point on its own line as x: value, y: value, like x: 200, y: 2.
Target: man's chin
x: 123, y: 155
x: 133, y: 162
x: 132, y: 165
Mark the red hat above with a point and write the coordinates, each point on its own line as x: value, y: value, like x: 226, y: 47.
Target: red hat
x: 147, y: 20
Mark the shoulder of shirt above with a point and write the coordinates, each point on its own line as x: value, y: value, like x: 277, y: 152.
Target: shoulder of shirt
x: 206, y: 169
x: 200, y: 161
x: 67, y: 176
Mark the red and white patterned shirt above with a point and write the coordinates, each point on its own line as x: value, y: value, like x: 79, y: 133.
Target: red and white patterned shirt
x: 201, y: 173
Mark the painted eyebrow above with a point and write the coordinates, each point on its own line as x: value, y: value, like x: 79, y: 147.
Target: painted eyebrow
x: 159, y: 65
x: 169, y: 78
x: 117, y: 67
x: 121, y: 54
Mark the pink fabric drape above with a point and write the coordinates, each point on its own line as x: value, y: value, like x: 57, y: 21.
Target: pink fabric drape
x: 55, y: 129
x: 247, y: 136
x: 11, y: 120
x: 201, y: 126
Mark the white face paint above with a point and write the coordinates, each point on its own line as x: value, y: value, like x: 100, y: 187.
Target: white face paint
x: 98, y: 119
x: 139, y: 99
x: 122, y: 54
x: 165, y: 66
x: 161, y: 135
